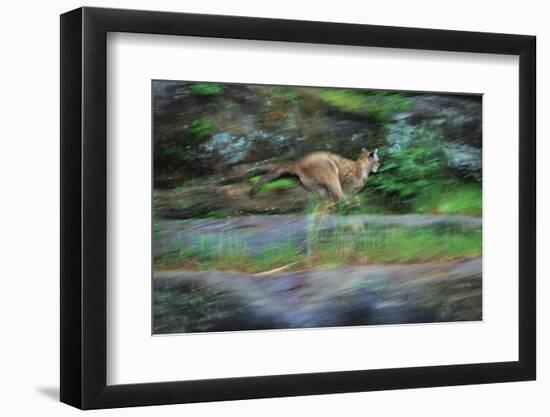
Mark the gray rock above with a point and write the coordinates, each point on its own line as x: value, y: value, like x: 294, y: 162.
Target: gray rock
x: 195, y: 301
x: 466, y: 159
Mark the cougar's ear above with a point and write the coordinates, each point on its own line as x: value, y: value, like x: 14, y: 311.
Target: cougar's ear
x: 363, y: 150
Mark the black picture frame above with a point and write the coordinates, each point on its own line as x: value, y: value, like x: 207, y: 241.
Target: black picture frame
x: 84, y: 207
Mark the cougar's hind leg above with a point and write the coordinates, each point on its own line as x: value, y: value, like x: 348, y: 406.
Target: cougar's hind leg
x: 313, y: 186
x: 335, y: 189
x: 321, y: 191
x: 318, y: 189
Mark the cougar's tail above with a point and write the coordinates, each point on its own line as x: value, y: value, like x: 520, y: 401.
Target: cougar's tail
x: 274, y: 173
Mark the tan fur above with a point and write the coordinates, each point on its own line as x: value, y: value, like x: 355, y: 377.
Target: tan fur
x: 326, y: 172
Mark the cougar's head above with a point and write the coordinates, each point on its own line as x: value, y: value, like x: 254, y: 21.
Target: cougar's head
x: 371, y: 158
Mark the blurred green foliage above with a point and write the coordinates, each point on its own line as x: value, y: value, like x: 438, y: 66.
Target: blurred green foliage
x: 288, y: 94
x: 278, y: 184
x: 410, y: 168
x: 457, y: 198
x: 378, y: 105
x: 179, y: 153
x: 206, y: 89
x: 200, y: 129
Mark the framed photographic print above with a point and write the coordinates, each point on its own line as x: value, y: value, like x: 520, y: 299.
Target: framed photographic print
x: 257, y: 207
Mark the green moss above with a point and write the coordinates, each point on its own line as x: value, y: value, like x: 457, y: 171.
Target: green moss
x: 421, y: 245
x: 464, y: 199
x: 200, y: 129
x: 206, y: 89
x: 364, y: 203
x: 216, y: 214
x: 286, y: 94
x: 277, y: 255
x: 189, y: 183
x: 278, y: 184
x: 346, y: 100
x: 378, y: 105
x: 175, y: 152
x: 156, y: 227
x: 230, y: 105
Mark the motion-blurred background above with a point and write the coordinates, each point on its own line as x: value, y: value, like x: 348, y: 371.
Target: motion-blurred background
x: 406, y: 249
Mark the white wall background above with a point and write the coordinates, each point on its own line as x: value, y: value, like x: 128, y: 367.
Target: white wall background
x: 29, y: 238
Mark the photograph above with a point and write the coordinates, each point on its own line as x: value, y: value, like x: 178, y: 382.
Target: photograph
x: 285, y: 207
